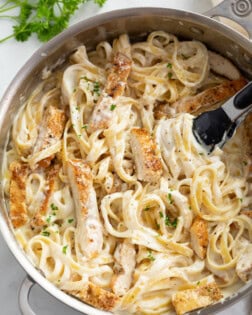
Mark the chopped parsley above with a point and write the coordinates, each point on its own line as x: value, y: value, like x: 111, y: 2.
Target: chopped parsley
x: 161, y: 214
x: 169, y: 196
x: 198, y: 282
x: 53, y: 207
x: 112, y: 107
x: 150, y: 256
x: 84, y: 127
x: 168, y: 222
x: 169, y: 65
x: 201, y: 153
x: 74, y: 90
x: 45, y: 233
x: 241, y: 199
x: 64, y: 249
x: 85, y: 78
x: 48, y: 220
x: 70, y: 220
x: 169, y: 75
x: 97, y: 88
x: 147, y: 208
x: 77, y: 107
x: 158, y: 226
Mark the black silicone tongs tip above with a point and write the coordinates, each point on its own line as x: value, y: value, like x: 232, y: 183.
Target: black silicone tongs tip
x: 215, y: 127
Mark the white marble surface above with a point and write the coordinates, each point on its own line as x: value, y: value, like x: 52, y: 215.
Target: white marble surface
x: 12, y: 56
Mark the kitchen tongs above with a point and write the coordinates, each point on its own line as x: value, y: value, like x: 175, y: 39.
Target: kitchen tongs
x: 216, y: 127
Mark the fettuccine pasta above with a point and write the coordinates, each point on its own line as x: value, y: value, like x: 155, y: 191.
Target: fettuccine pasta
x: 110, y: 194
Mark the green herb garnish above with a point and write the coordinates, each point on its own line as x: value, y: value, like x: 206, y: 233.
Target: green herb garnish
x: 85, y: 78
x: 53, y: 207
x: 169, y: 75
x: 48, y: 220
x: 46, y: 18
x: 168, y: 222
x: 70, y: 220
x: 150, y: 256
x: 169, y: 196
x: 112, y: 107
x: 45, y: 233
x: 169, y: 65
x: 84, y: 127
x: 64, y: 249
x: 161, y: 214
x: 97, y: 88
x: 147, y: 208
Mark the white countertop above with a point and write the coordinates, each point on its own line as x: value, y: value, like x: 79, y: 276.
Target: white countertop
x: 12, y: 56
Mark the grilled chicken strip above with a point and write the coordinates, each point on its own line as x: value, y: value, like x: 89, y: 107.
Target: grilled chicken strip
x: 39, y: 218
x: 93, y: 295
x: 50, y: 133
x: 89, y: 228
x: 199, y: 237
x: 248, y: 213
x: 116, y: 82
x: 18, y: 208
x: 125, y: 257
x: 209, y: 97
x: 192, y: 299
x: 223, y: 66
x: 148, y: 164
x: 244, y: 264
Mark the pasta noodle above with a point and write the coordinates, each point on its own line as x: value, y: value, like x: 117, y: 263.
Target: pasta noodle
x: 145, y: 253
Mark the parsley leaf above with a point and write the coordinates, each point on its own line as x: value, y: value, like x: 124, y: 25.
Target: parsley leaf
x: 169, y: 196
x: 97, y: 88
x: 53, y: 207
x: 70, y: 220
x: 46, y: 18
x: 64, y: 249
x: 169, y: 75
x: 150, y: 256
x: 45, y: 233
x: 169, y: 65
x: 112, y: 107
x: 168, y: 222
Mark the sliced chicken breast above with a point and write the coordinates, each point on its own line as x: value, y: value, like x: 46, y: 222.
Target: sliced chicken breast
x: 248, y: 213
x: 95, y: 296
x: 223, y: 66
x: 89, y: 228
x: 244, y: 264
x: 199, y: 237
x: 116, y: 82
x: 125, y: 257
x: 192, y: 299
x: 51, y: 131
x: 209, y: 97
x: 148, y: 164
x: 39, y: 218
x: 18, y: 208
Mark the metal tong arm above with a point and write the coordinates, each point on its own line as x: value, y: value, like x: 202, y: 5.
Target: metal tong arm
x: 239, y: 105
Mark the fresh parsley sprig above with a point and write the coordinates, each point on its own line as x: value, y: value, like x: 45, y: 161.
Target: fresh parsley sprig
x: 46, y: 18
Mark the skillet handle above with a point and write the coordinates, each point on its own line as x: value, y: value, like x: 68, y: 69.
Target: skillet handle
x: 239, y: 11
x: 23, y: 297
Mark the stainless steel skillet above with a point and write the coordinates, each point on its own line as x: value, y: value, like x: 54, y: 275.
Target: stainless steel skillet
x: 137, y: 22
